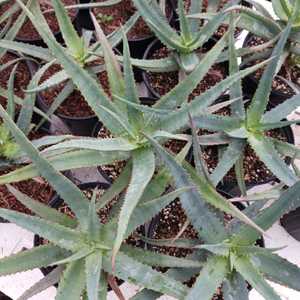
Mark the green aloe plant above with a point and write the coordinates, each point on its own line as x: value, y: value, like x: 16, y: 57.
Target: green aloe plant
x: 248, y: 125
x: 127, y: 120
x: 8, y: 148
x: 184, y: 44
x: 82, y: 246
x: 230, y: 256
x: 22, y: 113
x: 261, y: 23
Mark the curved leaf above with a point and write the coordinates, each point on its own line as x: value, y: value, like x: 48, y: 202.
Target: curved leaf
x: 60, y: 235
x: 250, y: 273
x: 266, y: 151
x: 211, y: 277
x: 134, y: 272
x: 72, y: 282
x: 30, y: 259
x: 143, y: 166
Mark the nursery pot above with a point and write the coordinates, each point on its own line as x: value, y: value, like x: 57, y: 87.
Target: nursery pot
x: 84, y: 20
x: 137, y: 45
x: 4, y: 297
x: 145, y: 101
x: 250, y: 82
x: 155, y: 45
x: 81, y: 126
x: 291, y: 223
x: 56, y: 202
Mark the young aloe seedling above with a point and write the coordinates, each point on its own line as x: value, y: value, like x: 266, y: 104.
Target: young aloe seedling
x: 261, y: 23
x: 8, y: 148
x: 184, y: 44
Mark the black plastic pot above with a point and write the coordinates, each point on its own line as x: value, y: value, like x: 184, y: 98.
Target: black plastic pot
x: 155, y: 45
x: 84, y: 20
x: 137, y: 46
x: 145, y: 101
x: 250, y: 83
x: 291, y: 223
x: 81, y: 126
x: 4, y: 297
x: 56, y: 202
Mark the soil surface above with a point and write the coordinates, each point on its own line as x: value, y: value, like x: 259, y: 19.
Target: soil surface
x: 289, y: 72
x: 75, y: 105
x: 22, y: 76
x: 112, y: 171
x: 162, y: 83
x: 169, y: 223
x: 39, y: 190
x: 111, y: 18
x: 27, y: 31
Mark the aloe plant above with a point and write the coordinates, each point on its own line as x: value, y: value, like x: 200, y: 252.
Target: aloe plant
x: 248, y: 125
x: 82, y: 249
x: 183, y: 45
x: 8, y: 148
x: 231, y: 259
x: 124, y: 117
x: 80, y: 48
x: 262, y: 24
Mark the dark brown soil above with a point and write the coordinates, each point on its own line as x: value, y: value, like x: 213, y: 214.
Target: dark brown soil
x: 39, y: 190
x: 111, y: 18
x: 75, y: 105
x: 22, y: 77
x: 289, y: 72
x: 27, y: 31
x: 169, y: 223
x: 112, y: 171
x: 162, y: 83
x: 103, y: 213
x: 175, y: 146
